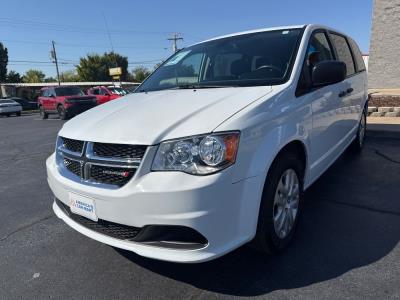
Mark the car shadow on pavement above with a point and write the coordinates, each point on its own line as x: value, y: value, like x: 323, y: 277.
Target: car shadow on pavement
x: 350, y: 219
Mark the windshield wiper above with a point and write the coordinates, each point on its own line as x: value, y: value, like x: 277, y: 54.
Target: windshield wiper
x: 198, y: 86
x: 188, y: 87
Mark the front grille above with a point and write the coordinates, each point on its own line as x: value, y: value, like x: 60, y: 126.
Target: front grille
x: 99, y: 163
x: 73, y: 145
x: 119, y: 150
x: 118, y: 231
x: 73, y: 166
x: 111, y: 175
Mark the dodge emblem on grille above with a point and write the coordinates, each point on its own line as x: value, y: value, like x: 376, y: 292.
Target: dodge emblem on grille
x: 118, y: 173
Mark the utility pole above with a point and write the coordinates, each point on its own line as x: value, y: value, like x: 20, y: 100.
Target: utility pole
x: 54, y: 56
x: 174, y: 39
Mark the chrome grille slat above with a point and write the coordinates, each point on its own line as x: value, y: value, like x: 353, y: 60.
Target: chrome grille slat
x: 73, y: 166
x: 73, y: 146
x: 77, y: 157
x: 118, y: 151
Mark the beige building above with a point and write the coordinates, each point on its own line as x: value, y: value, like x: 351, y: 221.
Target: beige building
x: 384, y: 54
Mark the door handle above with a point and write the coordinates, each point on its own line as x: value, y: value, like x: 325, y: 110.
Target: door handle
x: 342, y: 94
x: 349, y: 90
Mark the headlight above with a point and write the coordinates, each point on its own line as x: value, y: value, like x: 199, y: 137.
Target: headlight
x: 197, y: 155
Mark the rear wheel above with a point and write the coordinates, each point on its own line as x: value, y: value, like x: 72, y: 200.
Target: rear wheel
x: 62, y: 112
x: 43, y: 113
x: 358, y: 142
x: 280, y: 205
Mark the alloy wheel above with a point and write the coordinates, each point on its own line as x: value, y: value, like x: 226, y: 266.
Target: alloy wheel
x: 286, y: 203
x: 361, y: 130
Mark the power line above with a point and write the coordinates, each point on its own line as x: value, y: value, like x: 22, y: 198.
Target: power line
x: 32, y: 61
x: 82, y: 45
x: 72, y: 62
x: 71, y: 28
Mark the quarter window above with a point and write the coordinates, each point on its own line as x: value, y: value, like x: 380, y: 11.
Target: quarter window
x: 357, y: 55
x: 343, y: 53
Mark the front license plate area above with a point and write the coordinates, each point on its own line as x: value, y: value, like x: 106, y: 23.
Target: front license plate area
x: 83, y: 206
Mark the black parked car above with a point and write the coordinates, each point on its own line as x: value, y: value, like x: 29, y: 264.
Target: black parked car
x: 25, y: 103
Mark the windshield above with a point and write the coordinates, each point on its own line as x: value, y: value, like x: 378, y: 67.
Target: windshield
x: 69, y: 91
x: 262, y: 58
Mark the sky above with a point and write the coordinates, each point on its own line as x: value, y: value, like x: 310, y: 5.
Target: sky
x: 139, y: 29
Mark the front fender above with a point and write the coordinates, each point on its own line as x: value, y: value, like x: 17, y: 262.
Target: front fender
x: 266, y: 128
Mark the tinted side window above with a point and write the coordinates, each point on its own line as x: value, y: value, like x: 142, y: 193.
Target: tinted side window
x: 343, y: 52
x: 318, y: 50
x: 357, y: 55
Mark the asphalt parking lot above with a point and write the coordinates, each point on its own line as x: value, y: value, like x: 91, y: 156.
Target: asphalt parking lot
x: 347, y: 245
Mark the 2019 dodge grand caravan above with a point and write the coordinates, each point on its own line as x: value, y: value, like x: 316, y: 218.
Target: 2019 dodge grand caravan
x: 66, y: 101
x: 217, y: 147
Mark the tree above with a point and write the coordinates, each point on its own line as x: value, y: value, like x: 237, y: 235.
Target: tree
x: 32, y: 76
x: 50, y: 79
x: 3, y: 62
x: 140, y: 73
x: 14, y: 77
x: 69, y: 76
x: 95, y: 67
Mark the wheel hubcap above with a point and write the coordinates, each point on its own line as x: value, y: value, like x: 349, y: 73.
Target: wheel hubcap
x: 286, y: 203
x: 361, y: 131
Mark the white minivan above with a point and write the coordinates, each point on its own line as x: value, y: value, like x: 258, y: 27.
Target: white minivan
x: 216, y: 147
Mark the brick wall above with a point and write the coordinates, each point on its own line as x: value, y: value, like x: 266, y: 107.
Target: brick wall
x: 384, y: 100
x: 384, y: 59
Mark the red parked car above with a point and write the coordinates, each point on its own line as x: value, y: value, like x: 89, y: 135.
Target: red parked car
x: 66, y: 101
x: 105, y: 94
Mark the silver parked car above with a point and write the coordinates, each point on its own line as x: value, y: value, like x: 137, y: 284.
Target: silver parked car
x: 9, y: 107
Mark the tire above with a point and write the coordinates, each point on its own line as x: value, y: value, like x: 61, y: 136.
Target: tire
x: 62, y: 112
x: 18, y: 114
x: 358, y: 143
x: 7, y: 115
x: 43, y: 113
x: 270, y: 237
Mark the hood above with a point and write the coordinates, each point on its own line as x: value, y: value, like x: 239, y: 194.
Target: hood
x: 149, y: 118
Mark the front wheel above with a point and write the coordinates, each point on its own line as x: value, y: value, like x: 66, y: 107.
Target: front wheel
x: 62, y: 112
x: 280, y: 205
x: 43, y: 113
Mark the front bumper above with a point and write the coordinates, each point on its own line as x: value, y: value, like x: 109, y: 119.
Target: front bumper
x: 225, y: 213
x: 77, y: 108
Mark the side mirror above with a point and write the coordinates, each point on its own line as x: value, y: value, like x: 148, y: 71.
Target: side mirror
x: 328, y: 72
